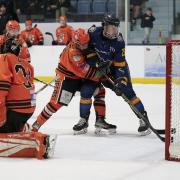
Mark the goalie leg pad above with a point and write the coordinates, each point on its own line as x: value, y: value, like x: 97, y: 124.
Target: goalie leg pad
x: 17, y: 145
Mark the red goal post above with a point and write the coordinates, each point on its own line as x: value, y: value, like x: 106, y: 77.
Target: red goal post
x: 172, y: 142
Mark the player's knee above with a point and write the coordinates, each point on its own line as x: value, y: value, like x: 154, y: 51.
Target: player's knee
x: 64, y: 99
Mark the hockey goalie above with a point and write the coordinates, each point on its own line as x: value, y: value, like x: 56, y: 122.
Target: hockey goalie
x: 17, y: 105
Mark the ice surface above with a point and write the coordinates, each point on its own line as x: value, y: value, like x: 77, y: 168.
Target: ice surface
x: 124, y: 156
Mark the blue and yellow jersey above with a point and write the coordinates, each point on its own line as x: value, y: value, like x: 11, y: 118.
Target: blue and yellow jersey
x: 109, y: 50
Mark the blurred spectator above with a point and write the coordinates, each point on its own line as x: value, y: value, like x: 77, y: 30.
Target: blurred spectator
x: 5, y: 16
x: 10, y: 9
x: 135, y: 11
x: 30, y: 7
x: 32, y: 35
x: 50, y: 8
x: 9, y: 5
x: 147, y: 23
x: 63, y: 32
x: 21, y: 6
x: 62, y: 8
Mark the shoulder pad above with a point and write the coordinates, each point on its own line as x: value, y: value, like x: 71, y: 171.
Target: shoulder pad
x: 92, y: 28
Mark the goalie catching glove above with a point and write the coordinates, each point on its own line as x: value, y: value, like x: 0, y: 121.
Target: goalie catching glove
x: 11, y: 46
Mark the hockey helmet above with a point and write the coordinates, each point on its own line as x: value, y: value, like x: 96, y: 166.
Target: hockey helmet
x: 110, y: 25
x: 81, y: 38
x: 110, y: 19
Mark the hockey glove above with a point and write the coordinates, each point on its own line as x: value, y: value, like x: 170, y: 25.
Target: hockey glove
x: 103, y: 66
x: 54, y: 43
x: 41, y: 42
x: 29, y: 43
x: 11, y: 45
x: 120, y: 85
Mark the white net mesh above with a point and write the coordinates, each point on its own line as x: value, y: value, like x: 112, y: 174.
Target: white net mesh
x: 174, y: 148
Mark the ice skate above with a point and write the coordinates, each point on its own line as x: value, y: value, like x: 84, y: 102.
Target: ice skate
x: 50, y: 142
x: 102, y: 124
x: 81, y: 127
x: 143, y: 128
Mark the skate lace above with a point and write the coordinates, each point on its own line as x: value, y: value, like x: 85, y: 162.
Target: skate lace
x: 81, y: 122
x: 142, y: 123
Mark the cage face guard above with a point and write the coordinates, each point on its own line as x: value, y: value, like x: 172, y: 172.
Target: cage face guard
x: 110, y: 31
x: 13, y: 33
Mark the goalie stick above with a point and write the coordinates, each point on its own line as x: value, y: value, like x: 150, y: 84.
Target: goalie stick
x: 47, y: 84
x: 43, y: 82
x: 50, y: 34
x: 146, y: 120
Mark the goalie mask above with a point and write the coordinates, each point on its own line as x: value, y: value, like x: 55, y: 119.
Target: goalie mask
x: 12, y: 28
x: 110, y: 25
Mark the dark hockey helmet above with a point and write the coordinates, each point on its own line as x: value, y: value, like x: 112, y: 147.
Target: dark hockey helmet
x: 110, y: 19
x: 110, y: 25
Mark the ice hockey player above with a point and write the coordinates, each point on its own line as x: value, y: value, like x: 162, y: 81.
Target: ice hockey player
x: 63, y: 32
x: 110, y: 47
x: 17, y: 104
x: 99, y: 107
x: 32, y: 35
x: 12, y: 31
x: 73, y: 74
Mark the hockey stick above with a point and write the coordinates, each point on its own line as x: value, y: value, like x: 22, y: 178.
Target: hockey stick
x: 43, y: 82
x: 47, y: 84
x: 50, y: 34
x: 146, y: 120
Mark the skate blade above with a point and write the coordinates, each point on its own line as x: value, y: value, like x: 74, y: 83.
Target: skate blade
x: 51, y: 148
x: 83, y: 131
x: 98, y: 131
x: 112, y: 131
x: 145, y: 133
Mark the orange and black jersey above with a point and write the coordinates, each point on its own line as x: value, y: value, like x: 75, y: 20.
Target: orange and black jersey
x: 34, y: 35
x: 73, y: 64
x: 64, y: 35
x: 16, y: 84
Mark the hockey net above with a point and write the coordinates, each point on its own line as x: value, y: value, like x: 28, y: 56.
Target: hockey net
x: 172, y: 143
